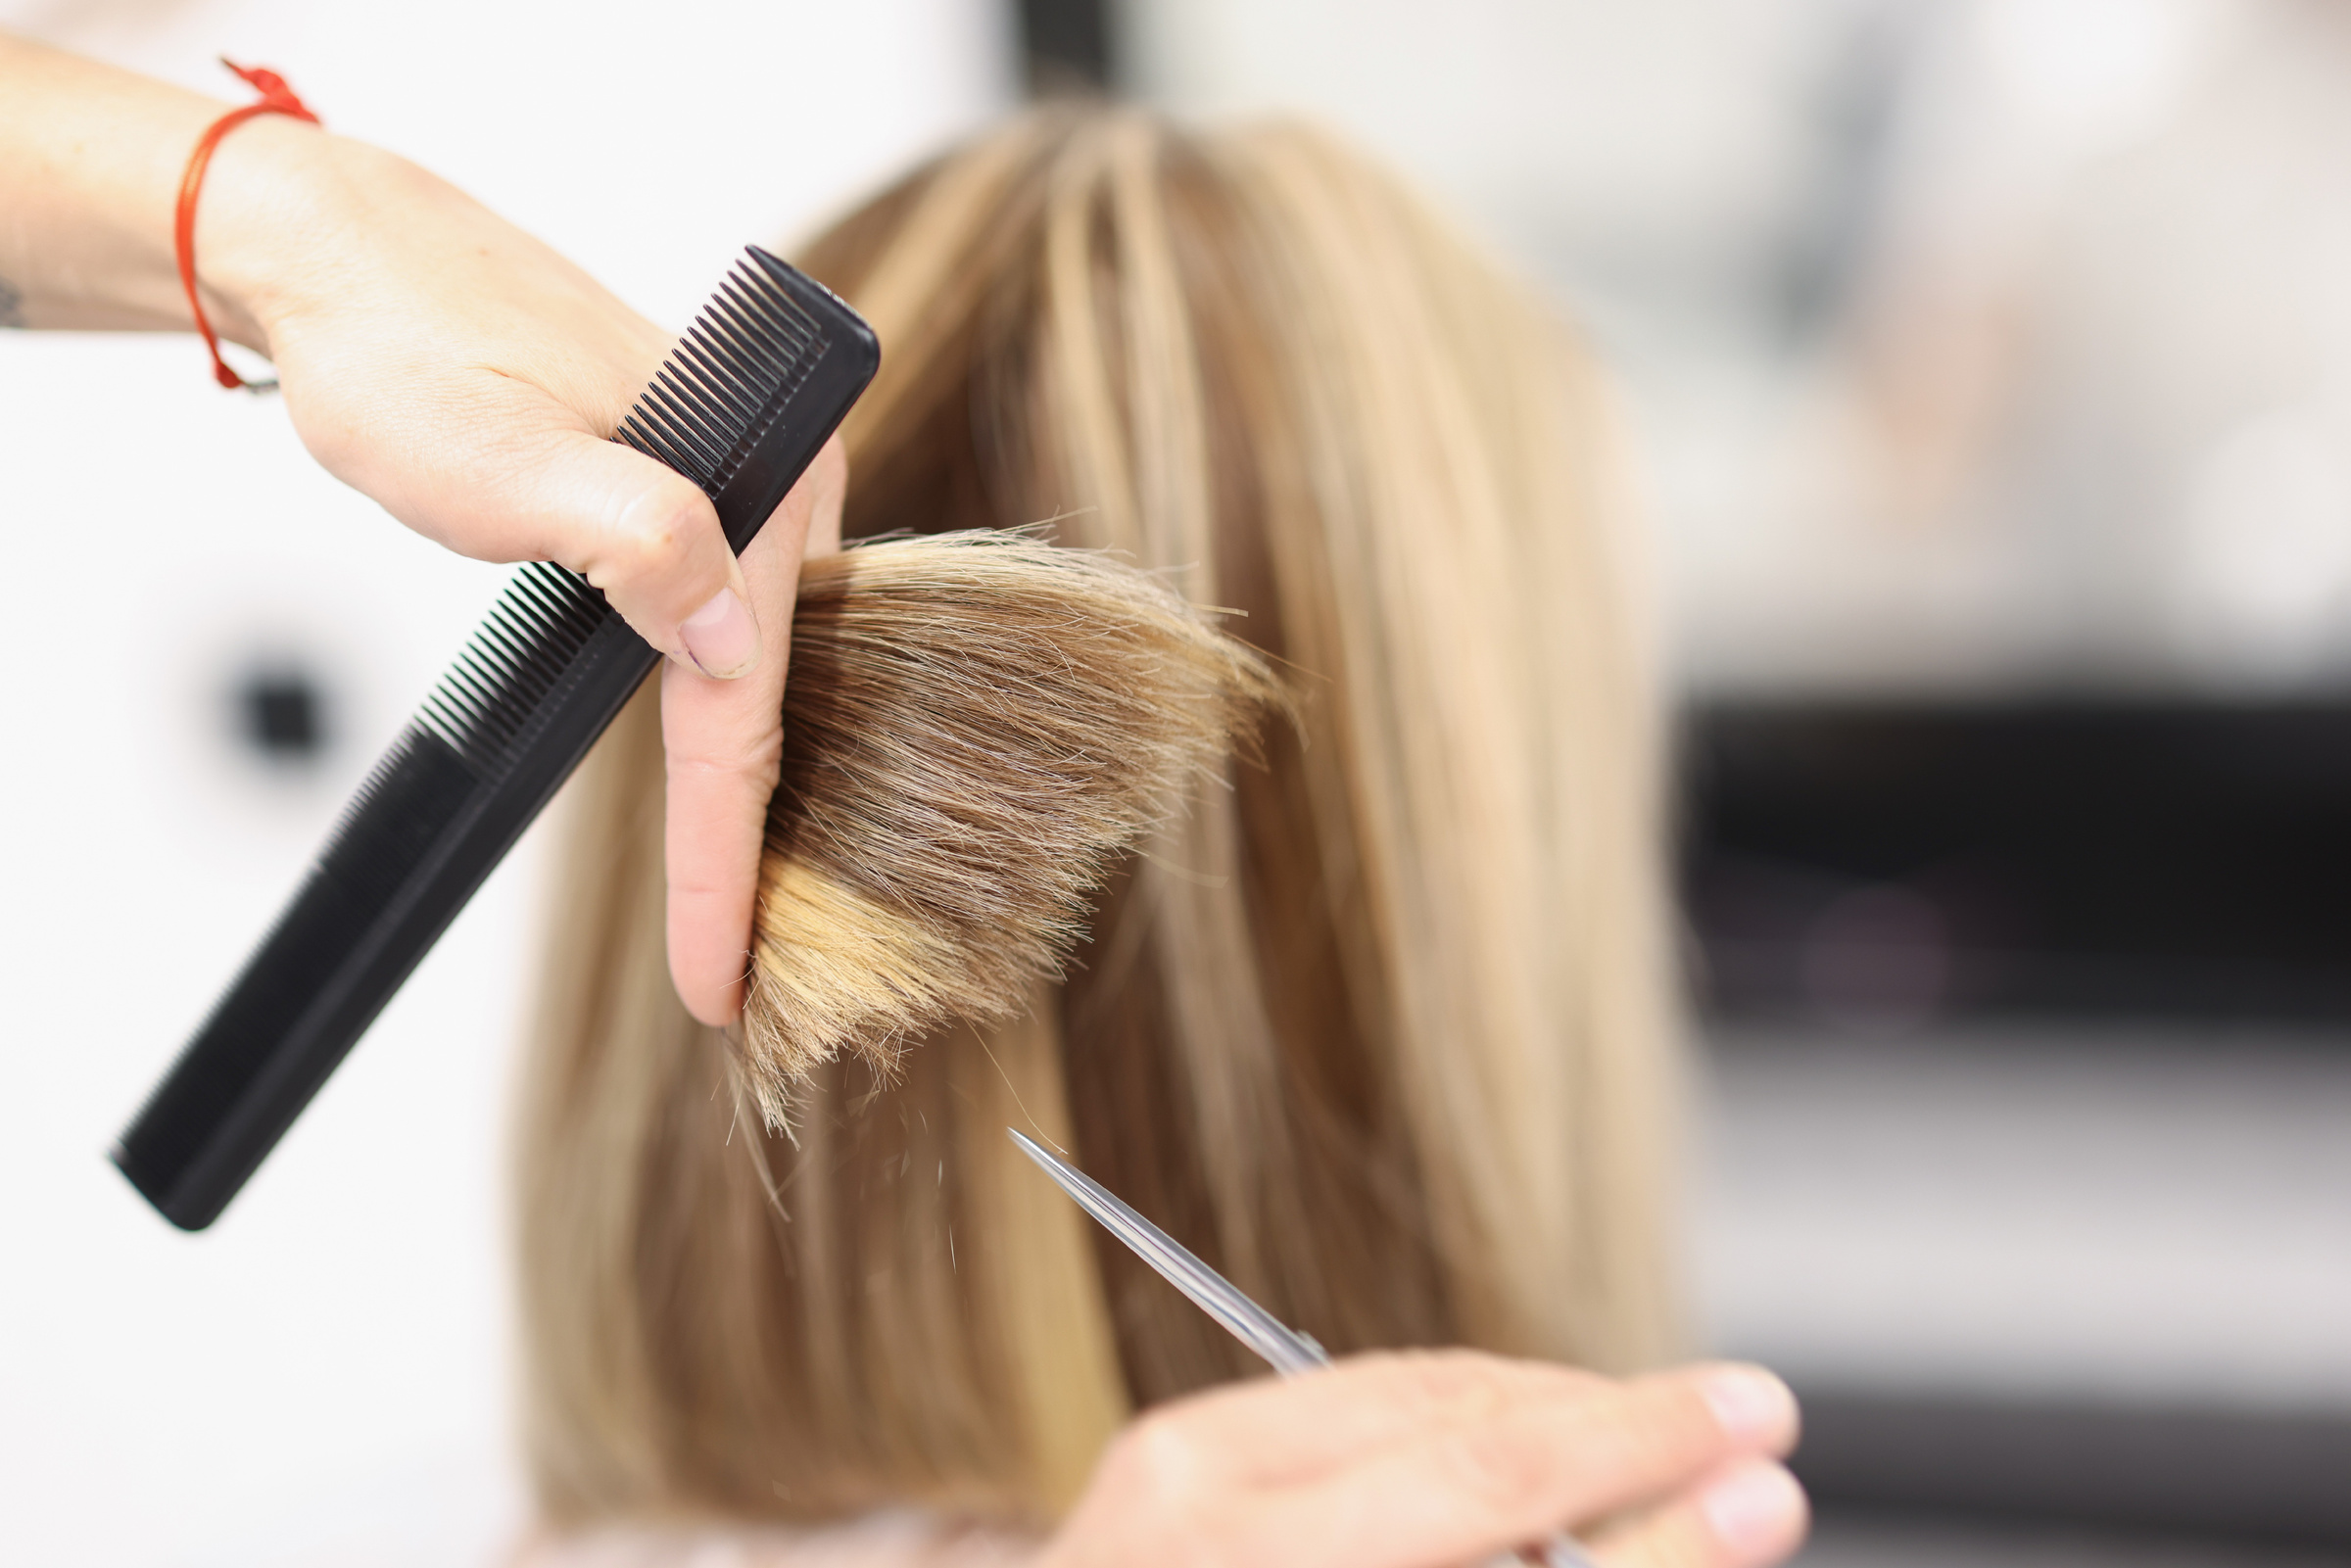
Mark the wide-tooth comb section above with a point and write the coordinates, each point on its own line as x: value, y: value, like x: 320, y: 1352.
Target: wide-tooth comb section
x: 746, y: 353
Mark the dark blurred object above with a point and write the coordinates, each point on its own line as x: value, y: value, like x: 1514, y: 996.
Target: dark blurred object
x: 1067, y: 45
x: 2236, y: 1476
x: 281, y: 713
x: 1881, y: 865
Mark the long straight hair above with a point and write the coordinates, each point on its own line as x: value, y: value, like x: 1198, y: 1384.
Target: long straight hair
x: 1379, y: 1026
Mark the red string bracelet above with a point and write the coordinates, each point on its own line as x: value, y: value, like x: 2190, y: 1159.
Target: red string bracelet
x: 277, y: 99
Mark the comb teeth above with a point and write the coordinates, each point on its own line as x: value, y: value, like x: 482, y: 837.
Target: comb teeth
x: 747, y: 353
x: 483, y: 704
x: 741, y: 408
x: 707, y: 411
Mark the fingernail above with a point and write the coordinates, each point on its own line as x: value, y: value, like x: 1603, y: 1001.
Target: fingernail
x: 1750, y: 1402
x: 721, y: 637
x: 1755, y: 1509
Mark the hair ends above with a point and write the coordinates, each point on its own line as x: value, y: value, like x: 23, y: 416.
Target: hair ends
x: 976, y: 727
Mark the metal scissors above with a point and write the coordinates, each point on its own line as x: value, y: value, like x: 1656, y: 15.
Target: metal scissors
x: 1285, y: 1349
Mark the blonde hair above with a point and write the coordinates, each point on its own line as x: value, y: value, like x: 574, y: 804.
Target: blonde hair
x: 1380, y: 1028
x: 978, y: 724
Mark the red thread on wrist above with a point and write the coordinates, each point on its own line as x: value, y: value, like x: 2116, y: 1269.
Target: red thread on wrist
x: 277, y: 99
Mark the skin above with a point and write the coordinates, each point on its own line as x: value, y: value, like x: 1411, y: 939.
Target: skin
x: 1423, y: 1459
x: 1434, y: 1458
x: 457, y: 371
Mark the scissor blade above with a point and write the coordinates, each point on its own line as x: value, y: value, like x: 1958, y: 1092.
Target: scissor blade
x: 1284, y: 1348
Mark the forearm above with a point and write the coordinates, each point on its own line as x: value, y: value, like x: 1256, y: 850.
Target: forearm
x: 90, y: 159
x: 90, y: 165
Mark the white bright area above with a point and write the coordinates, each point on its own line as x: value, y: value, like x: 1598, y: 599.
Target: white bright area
x: 1974, y: 343
x: 324, y: 1377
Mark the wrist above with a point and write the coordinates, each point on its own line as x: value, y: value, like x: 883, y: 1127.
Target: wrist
x: 279, y: 200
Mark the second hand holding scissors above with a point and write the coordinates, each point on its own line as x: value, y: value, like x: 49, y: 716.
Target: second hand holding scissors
x: 1285, y: 1349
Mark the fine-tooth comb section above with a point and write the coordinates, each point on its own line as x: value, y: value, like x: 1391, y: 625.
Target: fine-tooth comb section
x: 485, y: 702
x: 746, y: 355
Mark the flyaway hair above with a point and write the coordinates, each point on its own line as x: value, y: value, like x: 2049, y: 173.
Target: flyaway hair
x: 1375, y: 1016
x: 975, y: 726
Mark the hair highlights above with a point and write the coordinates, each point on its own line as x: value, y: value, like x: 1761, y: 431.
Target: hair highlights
x: 1380, y: 1028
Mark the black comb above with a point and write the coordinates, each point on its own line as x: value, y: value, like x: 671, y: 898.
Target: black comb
x: 740, y: 407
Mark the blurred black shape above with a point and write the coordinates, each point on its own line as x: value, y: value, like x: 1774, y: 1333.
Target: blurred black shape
x: 1067, y: 46
x: 1854, y: 109
x: 2240, y: 1476
x: 281, y: 713
x: 1881, y: 864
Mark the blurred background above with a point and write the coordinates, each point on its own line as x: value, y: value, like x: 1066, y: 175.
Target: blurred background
x: 1989, y: 363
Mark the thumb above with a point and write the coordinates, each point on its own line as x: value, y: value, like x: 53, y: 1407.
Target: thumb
x: 650, y: 540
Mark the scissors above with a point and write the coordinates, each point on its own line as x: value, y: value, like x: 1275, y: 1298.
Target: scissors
x: 1285, y: 1349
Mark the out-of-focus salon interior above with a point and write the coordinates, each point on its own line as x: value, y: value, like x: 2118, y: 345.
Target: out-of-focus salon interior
x: 1987, y: 368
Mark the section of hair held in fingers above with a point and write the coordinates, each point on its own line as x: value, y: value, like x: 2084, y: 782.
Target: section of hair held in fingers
x: 976, y: 726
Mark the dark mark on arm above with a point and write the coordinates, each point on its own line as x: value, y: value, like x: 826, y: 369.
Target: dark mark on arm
x: 11, y: 305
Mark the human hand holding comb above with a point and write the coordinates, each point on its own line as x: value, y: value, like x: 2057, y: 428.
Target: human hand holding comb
x: 467, y: 378
x: 450, y: 367
x: 742, y: 407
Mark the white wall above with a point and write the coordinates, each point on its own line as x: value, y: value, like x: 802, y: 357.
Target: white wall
x: 2078, y: 414
x: 323, y: 1377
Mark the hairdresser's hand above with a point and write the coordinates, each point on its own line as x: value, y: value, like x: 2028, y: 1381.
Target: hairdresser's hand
x: 462, y: 373
x: 467, y: 378
x: 455, y: 370
x: 1430, y: 1460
